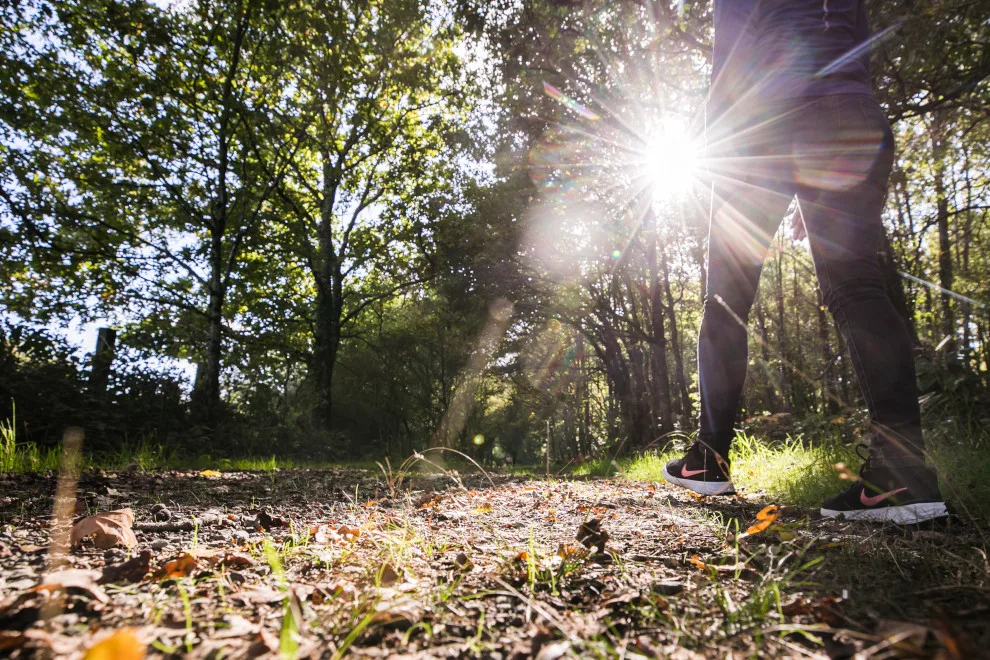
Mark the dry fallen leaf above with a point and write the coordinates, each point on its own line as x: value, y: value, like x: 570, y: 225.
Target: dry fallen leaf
x: 484, y: 508
x: 764, y: 519
x: 387, y: 575
x: 463, y: 562
x: 591, y: 535
x: 180, y: 567
x: 210, y: 474
x: 122, y: 645
x: 349, y: 533
x: 108, y: 529
x: 74, y: 578
x: 132, y: 570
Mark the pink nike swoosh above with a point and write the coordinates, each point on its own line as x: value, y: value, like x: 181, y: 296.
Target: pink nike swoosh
x: 690, y: 473
x: 877, y: 499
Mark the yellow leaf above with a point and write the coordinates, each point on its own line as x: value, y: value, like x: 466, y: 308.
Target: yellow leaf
x: 210, y: 473
x: 484, y: 508
x: 122, y: 645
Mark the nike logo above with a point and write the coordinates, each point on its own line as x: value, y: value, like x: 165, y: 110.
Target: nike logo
x: 877, y: 499
x: 690, y: 473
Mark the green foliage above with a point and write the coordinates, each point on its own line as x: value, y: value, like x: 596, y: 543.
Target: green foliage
x: 323, y: 207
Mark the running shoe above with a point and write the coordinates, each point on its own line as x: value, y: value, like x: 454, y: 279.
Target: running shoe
x: 899, y: 491
x: 701, y: 470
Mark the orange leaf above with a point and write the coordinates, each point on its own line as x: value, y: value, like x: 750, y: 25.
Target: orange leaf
x: 696, y: 561
x: 122, y: 645
x: 765, y: 518
x: 107, y: 529
x: 181, y: 566
x: 349, y: 533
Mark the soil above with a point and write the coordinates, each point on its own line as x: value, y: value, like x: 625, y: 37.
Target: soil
x: 330, y: 563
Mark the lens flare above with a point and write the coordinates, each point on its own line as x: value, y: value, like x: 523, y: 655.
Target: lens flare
x: 670, y: 161
x: 479, y: 439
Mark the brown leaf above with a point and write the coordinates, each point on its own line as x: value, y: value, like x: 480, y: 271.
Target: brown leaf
x: 387, y: 575
x: 10, y: 639
x: 349, y: 533
x: 267, y: 521
x: 73, y: 578
x: 463, y: 562
x: 235, y: 626
x: 180, y: 567
x: 132, y: 570
x: 905, y: 639
x: 591, y: 535
x: 108, y: 529
x: 259, y: 596
x: 235, y: 561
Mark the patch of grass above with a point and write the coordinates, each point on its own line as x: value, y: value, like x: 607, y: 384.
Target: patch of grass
x: 801, y: 472
x: 24, y: 457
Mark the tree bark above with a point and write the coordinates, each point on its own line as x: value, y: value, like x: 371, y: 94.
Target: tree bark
x: 680, y: 380
x: 218, y: 230
x: 945, y: 273
x: 660, y: 376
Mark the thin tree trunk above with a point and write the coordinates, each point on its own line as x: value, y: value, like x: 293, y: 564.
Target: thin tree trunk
x: 945, y: 273
x: 761, y: 321
x: 785, y: 390
x: 829, y: 365
x: 680, y: 380
x: 660, y: 376
x: 218, y: 230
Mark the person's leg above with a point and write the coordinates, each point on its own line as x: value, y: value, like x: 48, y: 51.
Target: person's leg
x: 843, y: 160
x: 743, y: 222
x: 746, y: 209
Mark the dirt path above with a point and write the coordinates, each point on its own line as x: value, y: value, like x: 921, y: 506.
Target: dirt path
x: 331, y: 563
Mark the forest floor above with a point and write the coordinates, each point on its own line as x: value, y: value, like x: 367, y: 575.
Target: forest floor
x: 328, y: 563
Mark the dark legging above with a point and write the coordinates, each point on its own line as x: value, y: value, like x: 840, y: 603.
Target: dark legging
x: 835, y: 153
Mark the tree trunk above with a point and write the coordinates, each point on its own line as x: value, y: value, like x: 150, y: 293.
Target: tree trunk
x: 99, y: 376
x: 785, y: 391
x: 660, y: 376
x: 761, y: 321
x: 829, y: 364
x: 218, y: 231
x: 680, y: 380
x: 945, y: 274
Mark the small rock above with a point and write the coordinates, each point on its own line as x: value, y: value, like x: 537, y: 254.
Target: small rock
x: 669, y: 587
x: 240, y: 536
x: 160, y: 544
x: 236, y: 577
x: 160, y: 513
x: 114, y: 555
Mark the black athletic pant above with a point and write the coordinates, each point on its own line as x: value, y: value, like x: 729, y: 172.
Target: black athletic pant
x: 835, y: 153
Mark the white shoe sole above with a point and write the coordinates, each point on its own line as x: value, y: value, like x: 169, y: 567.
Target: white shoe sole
x: 701, y: 487
x: 907, y: 514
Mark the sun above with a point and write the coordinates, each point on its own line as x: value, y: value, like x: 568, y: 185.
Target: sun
x: 671, y: 160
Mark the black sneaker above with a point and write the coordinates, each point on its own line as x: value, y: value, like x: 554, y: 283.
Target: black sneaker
x: 701, y: 470
x: 903, y: 492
